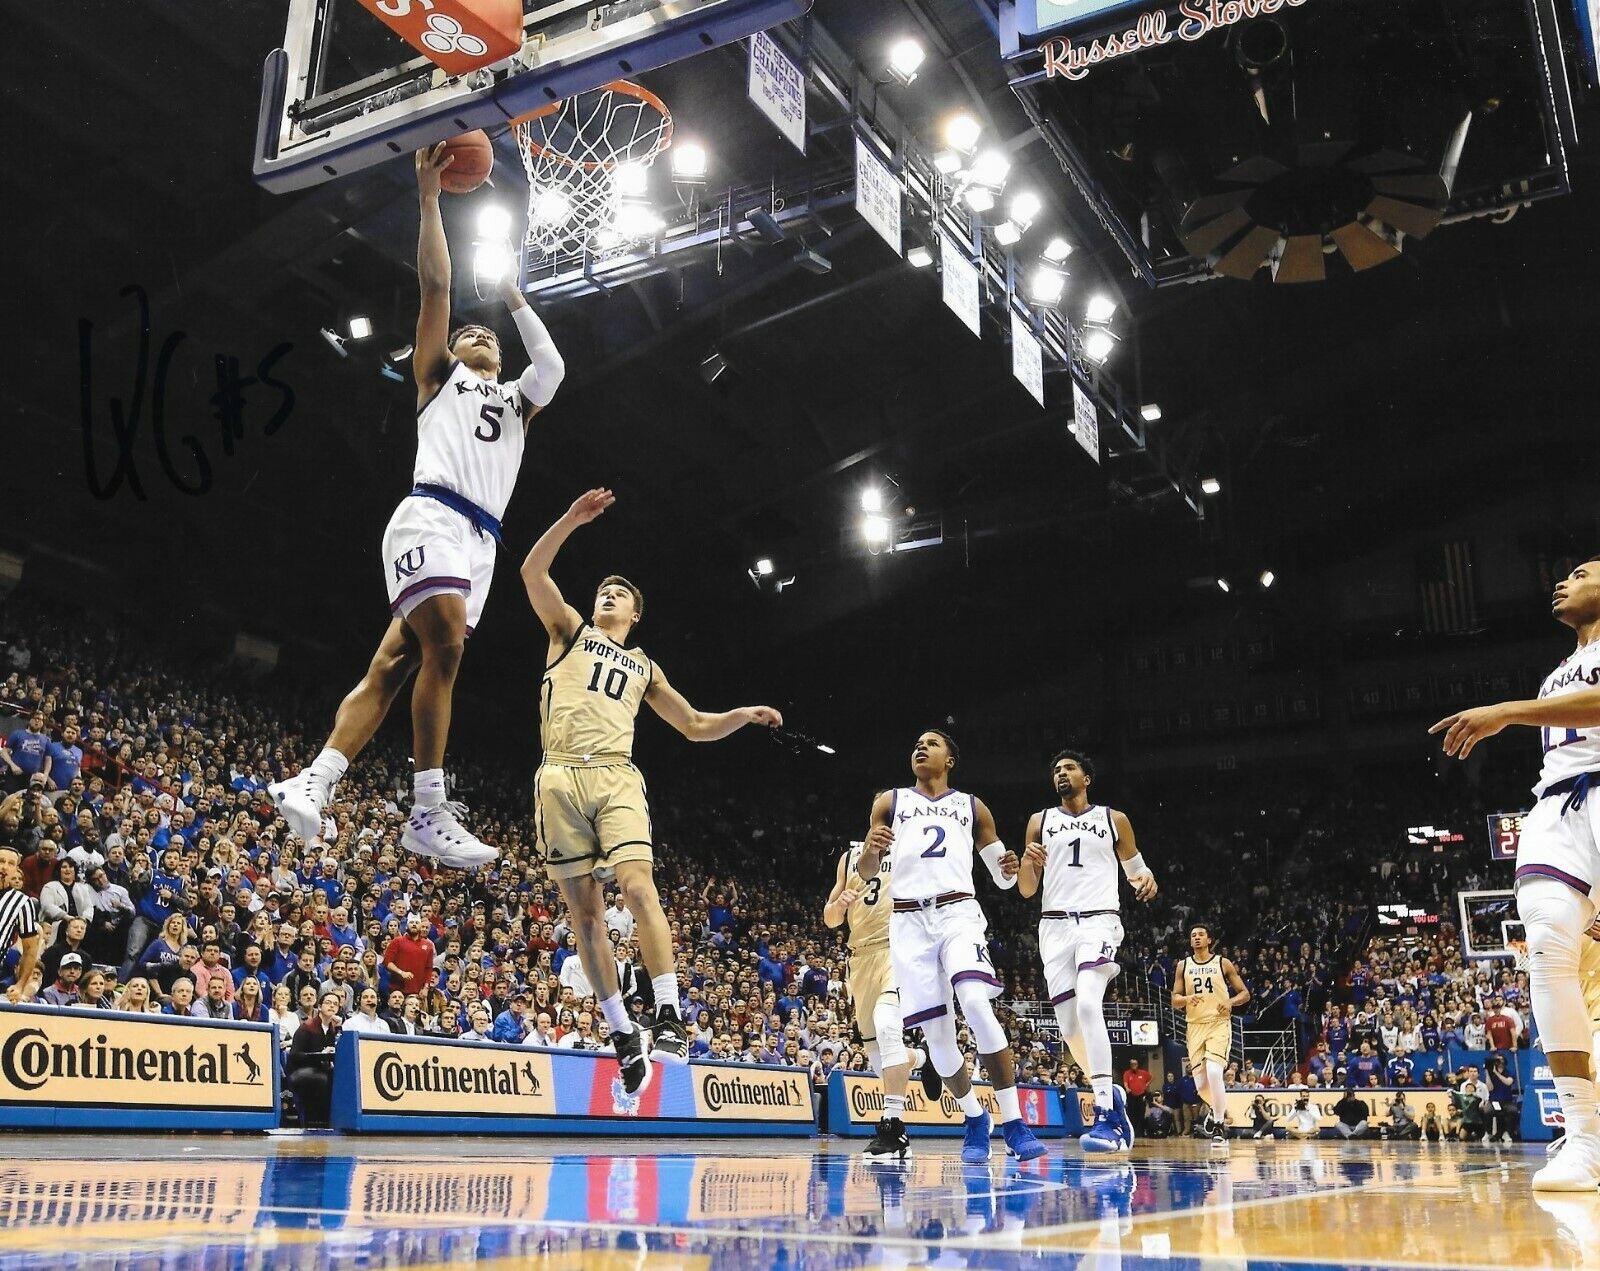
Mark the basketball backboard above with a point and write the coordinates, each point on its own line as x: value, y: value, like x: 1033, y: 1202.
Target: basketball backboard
x: 344, y: 92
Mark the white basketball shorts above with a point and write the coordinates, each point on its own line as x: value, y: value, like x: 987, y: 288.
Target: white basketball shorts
x: 933, y: 950
x: 1070, y: 945
x: 428, y: 549
x: 1561, y: 846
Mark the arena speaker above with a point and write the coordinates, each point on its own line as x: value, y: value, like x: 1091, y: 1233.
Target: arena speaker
x: 253, y: 655
x: 1307, y: 153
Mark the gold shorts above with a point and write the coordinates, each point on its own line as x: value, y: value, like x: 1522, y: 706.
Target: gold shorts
x: 1210, y: 1040
x: 589, y: 820
x: 1589, y: 975
x: 871, y: 975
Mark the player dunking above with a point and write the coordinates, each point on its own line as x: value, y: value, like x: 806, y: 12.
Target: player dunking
x: 938, y: 936
x: 590, y: 808
x: 1208, y: 989
x: 873, y: 995
x: 1558, y: 865
x: 439, y: 547
x: 1075, y: 849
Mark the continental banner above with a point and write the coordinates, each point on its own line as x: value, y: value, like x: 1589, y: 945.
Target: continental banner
x: 855, y: 1103
x: 384, y: 1082
x: 105, y: 1069
x: 1280, y: 1103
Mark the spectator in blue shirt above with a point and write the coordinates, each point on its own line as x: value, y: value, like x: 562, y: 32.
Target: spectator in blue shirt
x: 63, y: 759
x: 250, y: 969
x: 510, y: 1025
x: 28, y: 747
x: 1364, y: 1067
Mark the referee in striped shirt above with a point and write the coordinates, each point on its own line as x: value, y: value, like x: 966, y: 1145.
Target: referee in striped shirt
x: 19, y: 920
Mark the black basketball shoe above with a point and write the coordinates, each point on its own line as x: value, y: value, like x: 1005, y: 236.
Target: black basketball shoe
x: 671, y: 1041
x: 890, y: 1140
x: 932, y: 1086
x: 631, y: 1059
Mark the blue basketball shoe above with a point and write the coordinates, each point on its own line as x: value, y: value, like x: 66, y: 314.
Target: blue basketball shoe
x: 1021, y: 1141
x: 1119, y: 1114
x: 975, y: 1147
x: 1105, y: 1135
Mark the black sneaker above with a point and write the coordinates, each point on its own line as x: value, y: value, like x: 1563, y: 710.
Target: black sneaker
x: 670, y: 1044
x: 890, y: 1140
x: 631, y: 1059
x: 932, y: 1086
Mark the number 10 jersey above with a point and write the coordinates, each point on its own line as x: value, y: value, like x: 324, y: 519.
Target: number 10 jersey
x: 589, y: 700
x: 933, y: 843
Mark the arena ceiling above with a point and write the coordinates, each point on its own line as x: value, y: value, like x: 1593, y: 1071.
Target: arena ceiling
x: 1337, y: 417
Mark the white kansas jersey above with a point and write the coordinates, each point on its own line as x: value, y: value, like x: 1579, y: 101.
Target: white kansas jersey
x: 1080, y: 868
x: 932, y: 843
x: 1569, y: 751
x: 469, y: 439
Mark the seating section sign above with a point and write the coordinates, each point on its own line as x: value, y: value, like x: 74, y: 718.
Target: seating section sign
x: 84, y: 1068
x: 386, y: 1082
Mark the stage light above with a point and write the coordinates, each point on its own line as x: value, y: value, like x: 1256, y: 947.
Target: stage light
x: 991, y: 169
x: 689, y: 161
x: 712, y: 367
x: 606, y: 237
x: 1150, y: 413
x: 1098, y: 345
x: 905, y: 60
x: 551, y: 207
x: 827, y: 750
x: 875, y: 529
x: 1224, y: 585
x: 919, y: 257
x: 1210, y: 485
x: 1101, y: 308
x: 948, y: 162
x: 1057, y: 250
x: 1047, y: 285
x: 335, y: 341
x: 493, y: 221
x: 872, y: 499
x: 978, y: 198
x: 490, y: 261
x: 636, y: 220
x: 961, y: 132
x: 1007, y: 234
x: 631, y: 180
x: 1268, y: 578
x: 360, y: 328
x: 400, y: 354
x: 1025, y: 207
x: 764, y: 567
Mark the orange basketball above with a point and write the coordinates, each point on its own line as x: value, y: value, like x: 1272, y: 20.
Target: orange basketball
x: 472, y: 159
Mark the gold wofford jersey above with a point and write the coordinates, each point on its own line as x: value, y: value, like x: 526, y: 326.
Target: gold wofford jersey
x: 590, y: 699
x: 869, y: 915
x: 1205, y: 982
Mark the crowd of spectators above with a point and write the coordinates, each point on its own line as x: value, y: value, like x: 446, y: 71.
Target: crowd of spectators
x: 167, y: 883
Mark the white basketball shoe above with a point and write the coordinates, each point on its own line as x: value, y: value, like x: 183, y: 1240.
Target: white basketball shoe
x: 437, y: 832
x: 301, y: 800
x: 1575, y: 1168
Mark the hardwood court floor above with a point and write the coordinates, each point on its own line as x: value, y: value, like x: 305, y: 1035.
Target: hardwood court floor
x: 321, y: 1201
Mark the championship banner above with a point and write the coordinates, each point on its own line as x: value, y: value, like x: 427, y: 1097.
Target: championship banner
x: 878, y: 194
x: 385, y: 1082
x: 82, y: 1069
x: 778, y: 88
x: 855, y: 1104
x: 1027, y: 358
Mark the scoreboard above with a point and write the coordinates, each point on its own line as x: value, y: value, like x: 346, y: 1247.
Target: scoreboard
x: 1505, y: 832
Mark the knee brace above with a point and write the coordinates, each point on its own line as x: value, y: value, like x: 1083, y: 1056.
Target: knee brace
x: 891, y: 1034
x: 1556, y: 917
x: 976, y: 1005
x: 943, y: 1052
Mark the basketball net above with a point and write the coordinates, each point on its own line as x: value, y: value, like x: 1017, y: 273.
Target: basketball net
x: 1519, y: 953
x: 586, y: 159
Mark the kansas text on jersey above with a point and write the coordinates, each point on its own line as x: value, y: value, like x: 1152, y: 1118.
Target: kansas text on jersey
x: 932, y: 843
x: 1081, y: 868
x: 1569, y: 751
x: 470, y: 439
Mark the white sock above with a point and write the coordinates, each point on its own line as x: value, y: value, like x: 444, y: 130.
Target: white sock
x: 1010, y: 1110
x: 970, y: 1107
x: 428, y: 787
x: 894, y: 1105
x: 666, y: 991
x: 329, y: 766
x: 1101, y: 1082
x: 616, y: 1014
x: 1577, y: 1096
